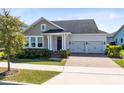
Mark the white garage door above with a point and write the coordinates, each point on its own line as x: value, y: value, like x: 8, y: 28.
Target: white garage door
x: 77, y: 46
x: 95, y: 47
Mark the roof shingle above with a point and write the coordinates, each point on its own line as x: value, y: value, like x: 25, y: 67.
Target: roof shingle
x: 79, y: 26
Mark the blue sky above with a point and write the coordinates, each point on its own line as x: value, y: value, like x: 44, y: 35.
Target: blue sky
x: 107, y: 19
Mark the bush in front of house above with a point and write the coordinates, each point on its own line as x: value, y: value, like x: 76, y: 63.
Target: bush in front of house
x: 34, y: 53
x: 2, y: 55
x: 64, y: 53
x: 123, y: 47
x: 113, y: 51
x: 112, y: 43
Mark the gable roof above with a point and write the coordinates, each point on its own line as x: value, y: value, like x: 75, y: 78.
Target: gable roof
x: 79, y: 26
x: 116, y: 32
x: 111, y: 34
x: 39, y: 20
x: 73, y: 26
x: 119, y: 30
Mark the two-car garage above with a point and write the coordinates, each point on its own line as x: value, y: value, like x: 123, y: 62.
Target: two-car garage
x: 87, y: 46
x: 87, y: 43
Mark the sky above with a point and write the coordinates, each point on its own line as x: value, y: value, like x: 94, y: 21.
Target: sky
x: 107, y: 19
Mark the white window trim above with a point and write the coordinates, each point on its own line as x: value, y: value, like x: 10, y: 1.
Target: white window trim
x: 36, y: 41
x: 44, y: 27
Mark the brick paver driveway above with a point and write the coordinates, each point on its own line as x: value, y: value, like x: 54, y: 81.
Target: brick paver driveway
x: 90, y: 60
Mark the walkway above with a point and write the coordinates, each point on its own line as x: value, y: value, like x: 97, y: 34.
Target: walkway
x: 33, y: 66
x: 68, y: 69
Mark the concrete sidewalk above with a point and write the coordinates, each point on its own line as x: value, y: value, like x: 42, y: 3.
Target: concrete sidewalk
x: 68, y: 69
x: 72, y: 75
x: 85, y: 79
x: 33, y: 66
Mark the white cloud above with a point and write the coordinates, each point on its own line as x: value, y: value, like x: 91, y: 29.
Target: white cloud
x: 81, y: 18
x: 101, y: 27
x: 115, y: 16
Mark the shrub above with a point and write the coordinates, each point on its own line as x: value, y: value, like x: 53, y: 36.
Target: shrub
x: 64, y: 53
x: 34, y: 53
x: 106, y: 50
x: 123, y: 47
x: 114, y: 50
x: 2, y: 55
x: 112, y: 43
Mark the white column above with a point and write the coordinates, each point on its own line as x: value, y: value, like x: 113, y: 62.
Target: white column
x: 29, y: 41
x: 50, y: 39
x: 36, y: 41
x: 64, y: 42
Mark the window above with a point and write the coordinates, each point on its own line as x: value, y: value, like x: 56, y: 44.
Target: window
x: 39, y: 41
x: 33, y: 43
x: 43, y: 27
x: 121, y: 40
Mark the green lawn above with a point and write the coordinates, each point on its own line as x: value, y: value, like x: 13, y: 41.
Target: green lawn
x: 30, y: 76
x: 42, y: 62
x: 122, y: 52
x: 120, y: 62
x: 38, y: 61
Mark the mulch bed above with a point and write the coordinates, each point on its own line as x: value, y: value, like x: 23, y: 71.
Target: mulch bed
x: 11, y: 72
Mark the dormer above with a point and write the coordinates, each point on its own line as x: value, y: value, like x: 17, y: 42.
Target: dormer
x: 43, y: 27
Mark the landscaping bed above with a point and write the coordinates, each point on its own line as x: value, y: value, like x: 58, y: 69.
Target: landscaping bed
x: 29, y: 76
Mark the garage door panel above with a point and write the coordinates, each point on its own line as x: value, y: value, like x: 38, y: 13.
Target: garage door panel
x: 95, y: 47
x: 77, y: 46
x: 87, y: 46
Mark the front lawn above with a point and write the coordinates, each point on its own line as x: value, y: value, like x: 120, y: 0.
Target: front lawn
x: 41, y: 61
x: 122, y: 52
x: 30, y: 76
x: 120, y: 62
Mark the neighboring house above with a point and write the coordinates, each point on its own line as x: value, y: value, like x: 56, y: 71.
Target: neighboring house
x: 117, y: 37
x: 79, y: 36
x: 110, y: 37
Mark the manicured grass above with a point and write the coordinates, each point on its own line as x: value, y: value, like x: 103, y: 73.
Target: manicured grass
x: 120, y: 62
x: 122, y: 52
x: 30, y: 76
x: 42, y: 62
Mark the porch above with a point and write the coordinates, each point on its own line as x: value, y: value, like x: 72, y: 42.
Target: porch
x: 51, y: 41
x: 55, y: 41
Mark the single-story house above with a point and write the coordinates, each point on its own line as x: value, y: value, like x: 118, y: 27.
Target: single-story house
x: 79, y: 36
x: 117, y: 37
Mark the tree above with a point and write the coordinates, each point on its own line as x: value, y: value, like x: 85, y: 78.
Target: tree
x: 11, y: 34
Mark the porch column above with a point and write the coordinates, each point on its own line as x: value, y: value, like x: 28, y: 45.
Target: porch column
x: 51, y: 43
x: 29, y: 41
x: 64, y: 41
x: 49, y: 37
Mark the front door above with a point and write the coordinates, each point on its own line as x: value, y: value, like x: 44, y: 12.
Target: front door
x: 59, y: 43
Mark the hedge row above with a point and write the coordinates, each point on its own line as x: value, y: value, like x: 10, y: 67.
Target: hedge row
x: 41, y: 53
x: 34, y: 53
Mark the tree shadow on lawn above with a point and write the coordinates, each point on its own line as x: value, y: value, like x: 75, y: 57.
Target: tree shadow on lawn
x: 6, y: 73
